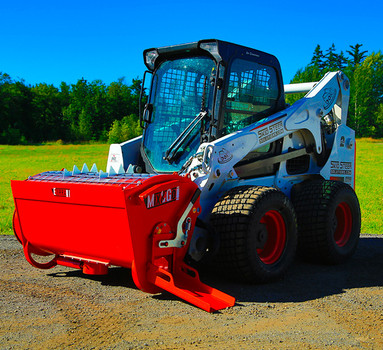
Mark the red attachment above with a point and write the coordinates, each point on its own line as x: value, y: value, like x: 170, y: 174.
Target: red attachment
x: 29, y: 250
x: 185, y: 283
x: 94, y: 269
x: 140, y: 222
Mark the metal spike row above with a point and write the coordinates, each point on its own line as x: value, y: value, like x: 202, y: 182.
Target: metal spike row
x: 130, y: 169
x: 76, y: 170
x: 102, y: 174
x: 84, y: 169
x: 94, y: 168
x: 121, y: 170
x: 111, y: 171
x: 66, y: 173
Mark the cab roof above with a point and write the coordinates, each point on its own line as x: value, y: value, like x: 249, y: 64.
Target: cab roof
x: 220, y: 51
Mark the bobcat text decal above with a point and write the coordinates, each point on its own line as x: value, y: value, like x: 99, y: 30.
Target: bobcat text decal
x: 163, y: 197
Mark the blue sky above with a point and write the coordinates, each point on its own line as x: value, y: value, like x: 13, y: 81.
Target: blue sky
x: 54, y: 41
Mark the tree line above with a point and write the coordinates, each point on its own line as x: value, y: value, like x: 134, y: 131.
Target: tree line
x: 365, y: 72
x: 94, y: 111
x: 85, y: 111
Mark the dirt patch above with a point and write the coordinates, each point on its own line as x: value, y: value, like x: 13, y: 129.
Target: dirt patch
x: 313, y: 307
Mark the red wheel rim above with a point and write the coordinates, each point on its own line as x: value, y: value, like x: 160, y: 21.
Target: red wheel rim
x: 344, y: 224
x: 276, y: 237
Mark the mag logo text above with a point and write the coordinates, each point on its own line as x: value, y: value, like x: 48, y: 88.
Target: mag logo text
x: 160, y: 198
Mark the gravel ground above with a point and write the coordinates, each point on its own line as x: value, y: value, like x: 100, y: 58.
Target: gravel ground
x: 313, y: 307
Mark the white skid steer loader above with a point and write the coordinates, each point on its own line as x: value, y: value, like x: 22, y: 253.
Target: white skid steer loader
x: 225, y: 172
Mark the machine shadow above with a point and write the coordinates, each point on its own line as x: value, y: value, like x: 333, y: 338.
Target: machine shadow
x: 303, y: 281
x: 306, y: 281
x: 116, y: 277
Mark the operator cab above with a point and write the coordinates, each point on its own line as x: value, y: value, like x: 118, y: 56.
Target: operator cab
x: 203, y: 91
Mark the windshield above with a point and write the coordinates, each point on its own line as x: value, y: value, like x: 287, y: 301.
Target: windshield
x: 176, y: 96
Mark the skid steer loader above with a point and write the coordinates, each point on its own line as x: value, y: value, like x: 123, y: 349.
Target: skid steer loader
x: 225, y: 173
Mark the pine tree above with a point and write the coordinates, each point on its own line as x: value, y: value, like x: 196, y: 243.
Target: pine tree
x: 341, y: 61
x: 357, y: 56
x: 318, y: 59
x: 331, y: 61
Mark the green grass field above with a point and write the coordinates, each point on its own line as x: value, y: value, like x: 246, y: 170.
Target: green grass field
x: 369, y: 180
x: 19, y: 162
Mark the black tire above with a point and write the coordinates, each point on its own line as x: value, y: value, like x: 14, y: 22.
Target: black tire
x: 258, y: 235
x: 328, y: 216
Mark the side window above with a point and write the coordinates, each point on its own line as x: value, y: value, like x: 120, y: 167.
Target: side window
x: 252, y: 93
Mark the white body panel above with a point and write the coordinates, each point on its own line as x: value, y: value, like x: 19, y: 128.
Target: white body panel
x: 298, y: 125
x: 124, y: 154
x: 297, y: 88
x: 214, y: 172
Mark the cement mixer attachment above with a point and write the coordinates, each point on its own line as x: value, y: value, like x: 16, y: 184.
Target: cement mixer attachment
x: 91, y: 220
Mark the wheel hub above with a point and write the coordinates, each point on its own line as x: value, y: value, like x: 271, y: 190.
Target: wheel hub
x: 262, y: 237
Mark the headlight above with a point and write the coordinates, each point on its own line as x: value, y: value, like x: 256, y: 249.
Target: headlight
x: 211, y: 47
x: 150, y: 58
x: 207, y: 155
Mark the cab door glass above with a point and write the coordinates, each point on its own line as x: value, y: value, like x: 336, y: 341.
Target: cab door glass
x: 251, y: 94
